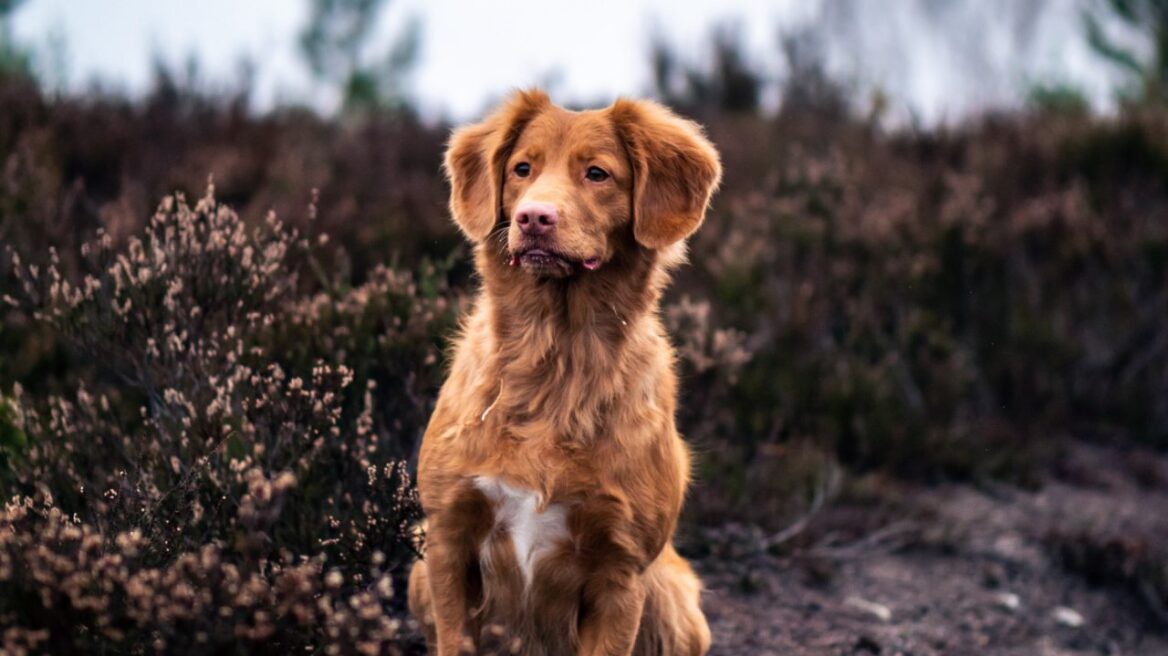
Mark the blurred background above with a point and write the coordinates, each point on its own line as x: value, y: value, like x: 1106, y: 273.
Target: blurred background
x: 923, y: 334
x: 931, y: 61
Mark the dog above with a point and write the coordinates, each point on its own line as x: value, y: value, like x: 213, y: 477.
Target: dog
x: 551, y: 473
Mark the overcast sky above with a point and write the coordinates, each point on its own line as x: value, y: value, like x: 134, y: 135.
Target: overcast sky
x: 973, y: 57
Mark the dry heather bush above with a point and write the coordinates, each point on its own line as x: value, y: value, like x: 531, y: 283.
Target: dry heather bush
x: 939, y: 304
x: 936, y: 305
x: 228, y: 473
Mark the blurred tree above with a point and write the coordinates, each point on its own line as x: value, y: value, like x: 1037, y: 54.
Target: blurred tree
x: 982, y: 49
x: 335, y: 44
x: 807, y: 86
x: 730, y: 83
x: 14, y: 59
x: 1146, y: 17
x: 1058, y: 98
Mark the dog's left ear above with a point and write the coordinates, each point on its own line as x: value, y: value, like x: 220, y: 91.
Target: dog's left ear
x: 675, y: 171
x: 475, y: 158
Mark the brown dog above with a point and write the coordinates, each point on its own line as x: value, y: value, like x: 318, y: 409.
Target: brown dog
x: 551, y: 473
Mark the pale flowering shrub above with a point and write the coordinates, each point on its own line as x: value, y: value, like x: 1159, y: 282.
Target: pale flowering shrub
x: 70, y: 587
x: 938, y: 304
x: 389, y: 330
x: 710, y: 358
x: 230, y: 472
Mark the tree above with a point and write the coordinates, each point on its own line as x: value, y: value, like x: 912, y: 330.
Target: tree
x: 335, y: 44
x: 14, y: 59
x: 1146, y: 17
x: 728, y: 81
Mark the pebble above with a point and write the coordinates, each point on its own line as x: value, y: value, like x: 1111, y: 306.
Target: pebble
x: 1008, y: 600
x: 1067, y: 617
x: 879, y: 611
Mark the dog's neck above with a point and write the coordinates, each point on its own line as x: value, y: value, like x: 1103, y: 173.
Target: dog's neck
x: 566, y: 350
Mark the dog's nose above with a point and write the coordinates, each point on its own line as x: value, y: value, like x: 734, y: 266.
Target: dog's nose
x: 536, y: 218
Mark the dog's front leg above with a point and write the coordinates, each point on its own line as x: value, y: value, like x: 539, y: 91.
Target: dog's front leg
x: 614, y: 601
x: 455, y: 533
x: 617, y: 546
x: 450, y: 595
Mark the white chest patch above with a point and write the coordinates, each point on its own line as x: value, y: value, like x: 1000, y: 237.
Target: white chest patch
x: 533, y: 533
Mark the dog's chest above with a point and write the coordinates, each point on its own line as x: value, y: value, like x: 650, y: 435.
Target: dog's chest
x: 533, y: 533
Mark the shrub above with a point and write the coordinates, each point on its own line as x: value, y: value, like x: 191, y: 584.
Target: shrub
x: 939, y: 304
x: 220, y: 475
x: 934, y: 305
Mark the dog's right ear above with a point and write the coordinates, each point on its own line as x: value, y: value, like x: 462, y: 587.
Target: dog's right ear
x: 475, y: 157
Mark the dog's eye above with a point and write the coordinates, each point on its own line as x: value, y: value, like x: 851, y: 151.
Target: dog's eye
x: 523, y: 169
x: 596, y: 174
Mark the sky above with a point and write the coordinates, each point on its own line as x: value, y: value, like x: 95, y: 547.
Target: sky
x: 968, y: 59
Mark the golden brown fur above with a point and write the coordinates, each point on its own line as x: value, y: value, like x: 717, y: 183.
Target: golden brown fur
x: 562, y: 390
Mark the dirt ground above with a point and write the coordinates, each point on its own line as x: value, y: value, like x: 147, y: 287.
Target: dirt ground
x: 962, y: 570
x: 955, y: 570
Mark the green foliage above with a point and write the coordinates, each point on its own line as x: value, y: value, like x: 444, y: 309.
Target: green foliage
x: 1148, y: 75
x: 335, y: 44
x: 15, y: 60
x: 1058, y: 98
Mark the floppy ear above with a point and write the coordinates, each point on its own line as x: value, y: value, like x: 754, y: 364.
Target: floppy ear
x: 475, y: 157
x: 675, y: 171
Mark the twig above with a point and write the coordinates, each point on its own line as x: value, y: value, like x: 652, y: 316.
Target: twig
x: 823, y: 492
x: 882, y: 538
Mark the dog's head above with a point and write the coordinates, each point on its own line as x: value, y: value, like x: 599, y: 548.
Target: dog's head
x: 561, y: 193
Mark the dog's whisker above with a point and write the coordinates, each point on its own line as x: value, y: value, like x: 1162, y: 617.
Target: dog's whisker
x: 499, y: 235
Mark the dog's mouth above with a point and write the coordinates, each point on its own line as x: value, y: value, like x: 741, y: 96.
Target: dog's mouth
x: 547, y: 262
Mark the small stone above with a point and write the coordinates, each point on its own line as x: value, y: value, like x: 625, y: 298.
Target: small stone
x: 1067, y: 617
x: 1008, y: 600
x: 879, y: 611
